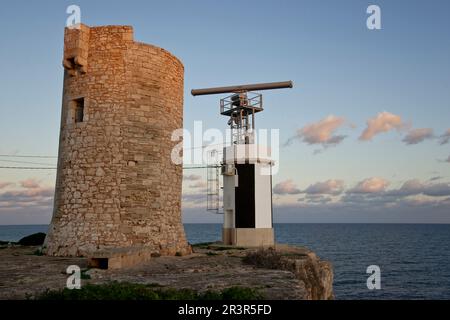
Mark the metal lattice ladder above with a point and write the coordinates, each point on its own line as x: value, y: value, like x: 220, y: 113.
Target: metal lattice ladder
x: 213, y: 182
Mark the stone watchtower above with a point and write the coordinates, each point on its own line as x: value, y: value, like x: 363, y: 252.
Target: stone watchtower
x: 118, y: 194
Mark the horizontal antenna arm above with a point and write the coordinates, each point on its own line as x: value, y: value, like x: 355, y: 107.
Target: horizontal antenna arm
x: 243, y: 88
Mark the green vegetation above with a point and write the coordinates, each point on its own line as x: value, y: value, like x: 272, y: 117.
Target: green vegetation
x: 202, y: 245
x: 240, y: 293
x: 132, y: 291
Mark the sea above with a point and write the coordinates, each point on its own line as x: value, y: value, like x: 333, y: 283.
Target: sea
x: 413, y: 259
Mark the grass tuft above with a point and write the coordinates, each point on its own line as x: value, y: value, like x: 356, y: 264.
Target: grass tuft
x: 132, y: 291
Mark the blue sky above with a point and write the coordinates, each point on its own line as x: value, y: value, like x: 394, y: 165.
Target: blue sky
x: 339, y: 68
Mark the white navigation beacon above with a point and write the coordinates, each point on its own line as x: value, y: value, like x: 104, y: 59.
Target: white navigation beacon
x: 246, y: 167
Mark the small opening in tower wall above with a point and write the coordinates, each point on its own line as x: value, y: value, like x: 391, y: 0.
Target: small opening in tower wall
x: 98, y: 263
x: 79, y: 110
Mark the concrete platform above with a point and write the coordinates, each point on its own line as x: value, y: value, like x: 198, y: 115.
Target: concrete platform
x: 248, y: 237
x: 118, y: 258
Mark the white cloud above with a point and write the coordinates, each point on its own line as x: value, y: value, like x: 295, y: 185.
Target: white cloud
x: 416, y: 136
x: 375, y: 188
x: 5, y: 184
x: 322, y: 132
x: 286, y: 187
x: 194, y: 200
x: 316, y: 199
x: 408, y: 188
x: 445, y: 138
x: 437, y: 190
x: 330, y: 187
x: 370, y: 185
x: 29, y: 184
x: 198, y: 184
x: 383, y: 122
x: 41, y: 196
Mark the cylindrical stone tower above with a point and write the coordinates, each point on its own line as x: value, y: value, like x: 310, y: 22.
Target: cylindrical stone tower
x: 117, y: 191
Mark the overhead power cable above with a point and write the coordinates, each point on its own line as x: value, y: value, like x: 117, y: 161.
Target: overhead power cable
x: 26, y: 156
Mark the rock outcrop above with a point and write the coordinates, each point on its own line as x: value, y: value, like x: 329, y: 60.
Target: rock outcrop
x: 288, y: 273
x: 35, y: 239
x: 316, y: 275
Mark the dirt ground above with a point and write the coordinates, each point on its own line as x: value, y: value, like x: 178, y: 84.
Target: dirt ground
x: 23, y: 274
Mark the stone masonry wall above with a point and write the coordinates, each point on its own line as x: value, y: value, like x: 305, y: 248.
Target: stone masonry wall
x: 116, y: 184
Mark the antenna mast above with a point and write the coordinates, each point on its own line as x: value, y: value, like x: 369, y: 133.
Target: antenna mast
x: 241, y: 106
